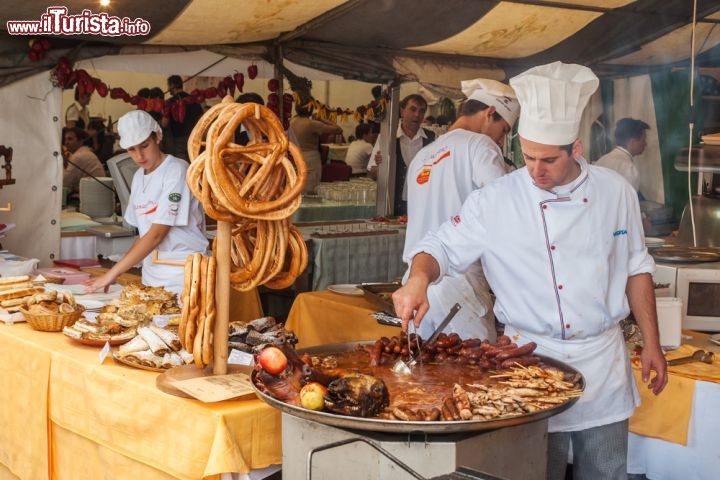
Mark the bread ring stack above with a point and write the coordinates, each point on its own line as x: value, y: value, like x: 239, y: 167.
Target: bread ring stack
x: 198, y: 310
x: 256, y: 188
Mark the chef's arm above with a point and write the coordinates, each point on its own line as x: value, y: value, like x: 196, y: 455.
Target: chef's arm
x: 141, y: 248
x: 411, y: 300
x: 641, y: 296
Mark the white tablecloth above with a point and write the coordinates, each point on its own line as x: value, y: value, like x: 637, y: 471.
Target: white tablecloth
x: 699, y: 460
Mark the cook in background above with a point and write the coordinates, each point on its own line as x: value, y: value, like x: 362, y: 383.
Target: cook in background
x: 180, y: 129
x: 99, y: 141
x: 440, y: 178
x: 77, y: 115
x: 562, y: 247
x: 358, y: 153
x: 630, y: 141
x: 82, y: 156
x: 307, y: 132
x: 161, y: 206
x: 410, y: 139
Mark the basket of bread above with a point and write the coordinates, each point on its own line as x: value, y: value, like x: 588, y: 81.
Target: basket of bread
x: 51, y: 311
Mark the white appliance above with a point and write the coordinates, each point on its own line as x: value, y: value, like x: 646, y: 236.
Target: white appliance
x: 698, y: 287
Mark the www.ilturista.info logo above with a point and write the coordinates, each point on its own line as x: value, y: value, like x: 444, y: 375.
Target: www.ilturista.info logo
x: 56, y: 21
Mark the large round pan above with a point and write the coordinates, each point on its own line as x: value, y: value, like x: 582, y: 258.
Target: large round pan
x: 397, y: 426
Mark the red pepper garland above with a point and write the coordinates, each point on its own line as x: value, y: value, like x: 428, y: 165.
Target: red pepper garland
x: 65, y: 77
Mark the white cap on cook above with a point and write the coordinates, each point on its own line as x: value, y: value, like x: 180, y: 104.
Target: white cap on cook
x: 552, y: 98
x: 493, y: 94
x: 135, y: 127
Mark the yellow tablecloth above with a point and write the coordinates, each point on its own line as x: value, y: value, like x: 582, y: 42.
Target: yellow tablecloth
x: 667, y: 416
x: 112, y: 418
x: 319, y: 318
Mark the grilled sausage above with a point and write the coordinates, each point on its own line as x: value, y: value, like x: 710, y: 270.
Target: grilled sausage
x: 471, y: 343
x: 449, y: 403
x: 503, y: 340
x: 525, y: 361
x: 375, y: 356
x: 517, y: 352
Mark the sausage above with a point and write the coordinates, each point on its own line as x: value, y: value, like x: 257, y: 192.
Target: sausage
x: 375, y: 356
x: 455, y: 349
x: 404, y: 413
x: 503, y: 340
x: 427, y: 357
x: 471, y: 343
x: 525, y: 361
x: 390, y: 346
x: 462, y: 360
x: 397, y: 349
x: 499, y: 348
x: 446, y: 414
x: 433, y: 415
x: 385, y: 340
x: 441, y: 357
x: 517, y: 352
x: 454, y: 339
x: 483, y: 363
x: 468, y: 351
x: 386, y: 358
x: 404, y: 352
x: 449, y: 403
x: 430, y: 347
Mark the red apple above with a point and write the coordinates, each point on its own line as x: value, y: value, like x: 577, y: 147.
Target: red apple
x: 312, y: 396
x: 272, y: 360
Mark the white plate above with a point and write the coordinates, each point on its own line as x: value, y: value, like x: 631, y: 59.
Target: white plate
x: 346, y: 289
x: 654, y: 242
x: 90, y: 304
x: 79, y: 289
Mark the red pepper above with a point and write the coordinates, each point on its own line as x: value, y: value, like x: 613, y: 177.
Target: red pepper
x: 37, y: 46
x: 221, y: 89
x: 230, y: 85
x: 211, y: 92
x: 117, y: 93
x: 239, y: 81
x: 45, y: 44
x: 102, y: 89
x: 287, y: 100
x: 159, y: 105
x: 181, y: 112
x: 64, y: 64
x: 134, y: 100
x: 71, y: 79
x: 273, y: 100
x: 142, y: 104
x: 273, y: 84
x: 252, y: 71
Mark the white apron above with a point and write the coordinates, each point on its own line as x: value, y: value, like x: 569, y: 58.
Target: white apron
x: 610, y: 392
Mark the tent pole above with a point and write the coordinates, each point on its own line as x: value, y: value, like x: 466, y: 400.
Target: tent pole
x: 278, y: 74
x: 386, y: 170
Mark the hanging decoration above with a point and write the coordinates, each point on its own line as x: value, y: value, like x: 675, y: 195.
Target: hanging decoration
x: 64, y: 76
x: 38, y: 49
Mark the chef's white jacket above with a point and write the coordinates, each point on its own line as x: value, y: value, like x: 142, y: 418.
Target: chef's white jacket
x: 558, y: 263
x: 164, y: 198
x: 441, y: 176
x: 621, y: 161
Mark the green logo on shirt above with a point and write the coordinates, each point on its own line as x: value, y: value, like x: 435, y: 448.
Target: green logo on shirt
x: 174, y: 197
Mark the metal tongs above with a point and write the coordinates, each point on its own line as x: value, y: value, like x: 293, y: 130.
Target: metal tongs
x: 405, y: 367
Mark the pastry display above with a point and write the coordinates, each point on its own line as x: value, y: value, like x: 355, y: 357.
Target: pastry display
x: 198, y: 312
x: 97, y: 333
x: 254, y: 336
x: 15, y: 291
x: 138, y: 304
x: 154, y: 348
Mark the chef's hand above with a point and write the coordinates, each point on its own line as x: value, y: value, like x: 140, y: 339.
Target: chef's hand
x: 95, y: 284
x: 378, y: 158
x: 411, y: 299
x: 652, y: 358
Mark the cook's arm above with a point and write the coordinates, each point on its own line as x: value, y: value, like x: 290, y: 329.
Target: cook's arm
x: 141, y: 248
x: 641, y: 296
x: 412, y: 297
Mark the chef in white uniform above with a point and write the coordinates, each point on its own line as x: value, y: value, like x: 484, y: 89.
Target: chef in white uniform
x: 167, y: 216
x: 562, y: 247
x: 440, y: 178
x: 630, y: 141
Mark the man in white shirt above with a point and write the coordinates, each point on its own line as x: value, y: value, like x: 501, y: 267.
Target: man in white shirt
x: 358, y: 154
x: 562, y: 247
x: 440, y: 178
x: 410, y: 139
x: 77, y: 115
x: 82, y: 160
x: 630, y: 141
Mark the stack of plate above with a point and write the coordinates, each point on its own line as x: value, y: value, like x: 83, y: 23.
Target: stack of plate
x: 652, y: 242
x: 96, y: 200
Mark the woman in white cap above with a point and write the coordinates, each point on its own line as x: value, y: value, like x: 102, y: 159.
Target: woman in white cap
x: 562, y: 246
x: 440, y: 178
x: 168, y: 217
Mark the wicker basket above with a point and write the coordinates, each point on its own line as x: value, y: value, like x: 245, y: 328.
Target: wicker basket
x: 53, y: 322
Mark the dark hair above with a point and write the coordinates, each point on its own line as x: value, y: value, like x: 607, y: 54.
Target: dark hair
x: 144, y: 93
x: 628, y: 128
x: 443, y: 120
x: 77, y: 94
x: 96, y: 124
x: 361, y: 130
x: 80, y: 134
x: 157, y: 92
x: 471, y: 107
x: 374, y: 127
x: 250, y: 97
x: 376, y: 91
x: 567, y: 148
x: 175, y: 81
x: 414, y: 97
x: 303, y: 110
x: 430, y: 119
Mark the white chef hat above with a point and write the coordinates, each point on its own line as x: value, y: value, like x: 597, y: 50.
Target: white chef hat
x: 135, y: 127
x: 553, y: 98
x: 493, y: 94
